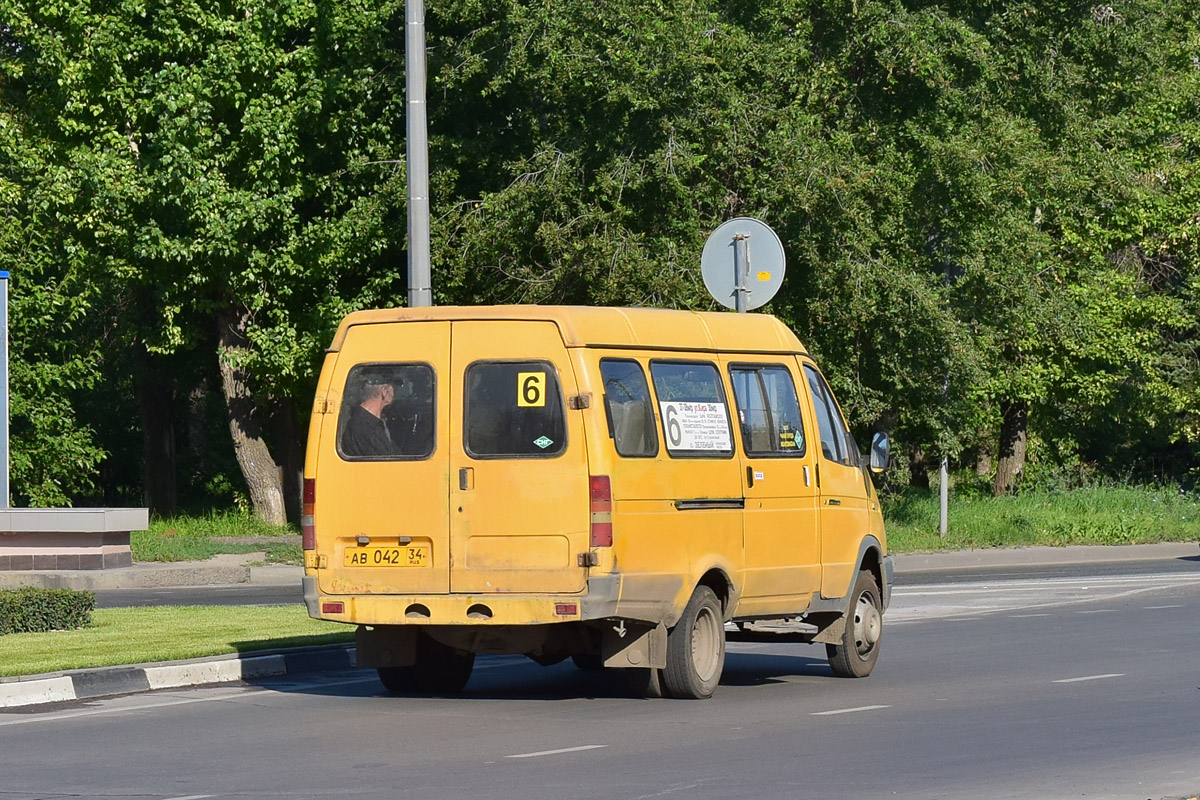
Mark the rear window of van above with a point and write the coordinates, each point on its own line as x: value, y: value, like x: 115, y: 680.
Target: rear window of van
x: 514, y: 409
x: 387, y: 413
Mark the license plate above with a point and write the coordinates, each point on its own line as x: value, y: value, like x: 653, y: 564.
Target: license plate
x: 407, y: 556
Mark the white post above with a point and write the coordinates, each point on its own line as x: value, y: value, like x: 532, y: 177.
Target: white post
x: 944, y: 497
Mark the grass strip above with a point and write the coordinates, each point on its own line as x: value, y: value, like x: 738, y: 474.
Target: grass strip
x: 1093, y: 516
x: 185, y: 538
x: 165, y: 633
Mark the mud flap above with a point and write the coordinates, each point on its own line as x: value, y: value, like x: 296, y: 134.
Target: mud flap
x: 625, y: 645
x: 830, y: 630
x: 385, y: 646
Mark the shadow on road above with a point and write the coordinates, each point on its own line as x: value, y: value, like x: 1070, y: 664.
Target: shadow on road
x: 518, y: 679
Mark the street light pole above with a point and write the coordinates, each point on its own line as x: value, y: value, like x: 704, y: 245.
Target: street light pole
x: 419, y: 291
x: 4, y: 459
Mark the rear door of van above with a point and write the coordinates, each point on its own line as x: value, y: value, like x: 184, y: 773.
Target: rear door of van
x: 519, y: 499
x: 382, y: 484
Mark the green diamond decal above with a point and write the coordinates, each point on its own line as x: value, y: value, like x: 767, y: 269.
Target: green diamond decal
x: 543, y: 442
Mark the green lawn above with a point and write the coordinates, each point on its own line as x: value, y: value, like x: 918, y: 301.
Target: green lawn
x: 1105, y: 516
x: 186, y: 538
x: 165, y: 633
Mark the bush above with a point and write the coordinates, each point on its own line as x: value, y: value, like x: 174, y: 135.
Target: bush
x: 33, y: 610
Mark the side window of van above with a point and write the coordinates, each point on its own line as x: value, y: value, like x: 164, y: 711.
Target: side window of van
x: 514, y: 409
x: 836, y: 442
x: 691, y: 403
x: 387, y: 413
x: 629, y: 408
x: 768, y: 411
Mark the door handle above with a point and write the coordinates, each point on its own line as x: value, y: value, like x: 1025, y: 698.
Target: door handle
x: 466, y: 479
x: 750, y: 477
x: 833, y: 501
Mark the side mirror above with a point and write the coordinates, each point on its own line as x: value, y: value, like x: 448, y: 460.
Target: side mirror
x: 881, y: 450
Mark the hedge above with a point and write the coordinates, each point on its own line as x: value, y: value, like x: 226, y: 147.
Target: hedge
x: 33, y: 610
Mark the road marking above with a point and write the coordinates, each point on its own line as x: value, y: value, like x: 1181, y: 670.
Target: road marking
x: 847, y: 711
x: 1026, y: 616
x: 1092, y: 677
x: 558, y: 752
x: 1159, y: 608
x: 192, y: 797
x: 1097, y: 611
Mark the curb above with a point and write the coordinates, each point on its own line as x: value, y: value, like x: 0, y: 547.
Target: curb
x: 155, y: 576
x: 86, y: 684
x: 1008, y: 558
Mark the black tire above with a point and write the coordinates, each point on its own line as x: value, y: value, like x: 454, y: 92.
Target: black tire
x: 696, y: 648
x: 396, y: 679
x: 439, y: 669
x: 588, y: 662
x: 645, y: 682
x: 858, y: 651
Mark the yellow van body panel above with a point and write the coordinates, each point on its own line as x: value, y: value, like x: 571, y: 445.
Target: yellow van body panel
x: 587, y: 326
x: 507, y: 541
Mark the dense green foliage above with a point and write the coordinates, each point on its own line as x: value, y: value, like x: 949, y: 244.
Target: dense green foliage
x: 988, y: 209
x: 34, y: 610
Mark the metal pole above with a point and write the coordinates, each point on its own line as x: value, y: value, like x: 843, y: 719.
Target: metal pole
x: 741, y: 270
x: 4, y: 503
x: 419, y: 291
x: 944, y: 497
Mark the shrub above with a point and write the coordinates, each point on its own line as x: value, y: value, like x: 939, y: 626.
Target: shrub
x: 33, y: 610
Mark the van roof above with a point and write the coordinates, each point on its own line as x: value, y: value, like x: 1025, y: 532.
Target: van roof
x: 589, y: 326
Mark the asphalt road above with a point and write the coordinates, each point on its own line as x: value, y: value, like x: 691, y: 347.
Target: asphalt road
x: 1052, y: 687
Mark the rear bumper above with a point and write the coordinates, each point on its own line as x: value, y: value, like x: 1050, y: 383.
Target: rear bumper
x: 599, y: 601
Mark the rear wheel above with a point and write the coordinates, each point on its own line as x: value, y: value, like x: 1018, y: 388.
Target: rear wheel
x: 696, y: 648
x: 396, y: 679
x: 645, y: 682
x: 439, y: 669
x: 856, y: 654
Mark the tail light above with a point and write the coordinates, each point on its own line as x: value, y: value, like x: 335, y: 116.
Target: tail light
x: 308, y: 530
x: 600, y: 497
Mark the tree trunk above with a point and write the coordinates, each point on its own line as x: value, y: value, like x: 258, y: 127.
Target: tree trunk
x: 258, y: 467
x: 918, y: 469
x: 1010, y: 461
x: 289, y: 443
x: 983, y: 455
x: 160, y: 487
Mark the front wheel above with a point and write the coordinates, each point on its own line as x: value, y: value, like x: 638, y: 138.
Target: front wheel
x: 856, y: 654
x: 696, y: 648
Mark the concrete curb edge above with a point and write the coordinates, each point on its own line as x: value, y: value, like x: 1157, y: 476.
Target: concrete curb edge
x: 86, y: 684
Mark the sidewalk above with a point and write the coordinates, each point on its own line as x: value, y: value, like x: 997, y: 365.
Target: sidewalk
x: 997, y: 558
x: 232, y: 570
x: 222, y: 570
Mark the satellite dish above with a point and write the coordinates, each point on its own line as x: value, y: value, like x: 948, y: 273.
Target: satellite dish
x: 743, y: 263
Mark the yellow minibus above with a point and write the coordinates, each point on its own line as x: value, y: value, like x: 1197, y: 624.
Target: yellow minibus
x: 625, y: 487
